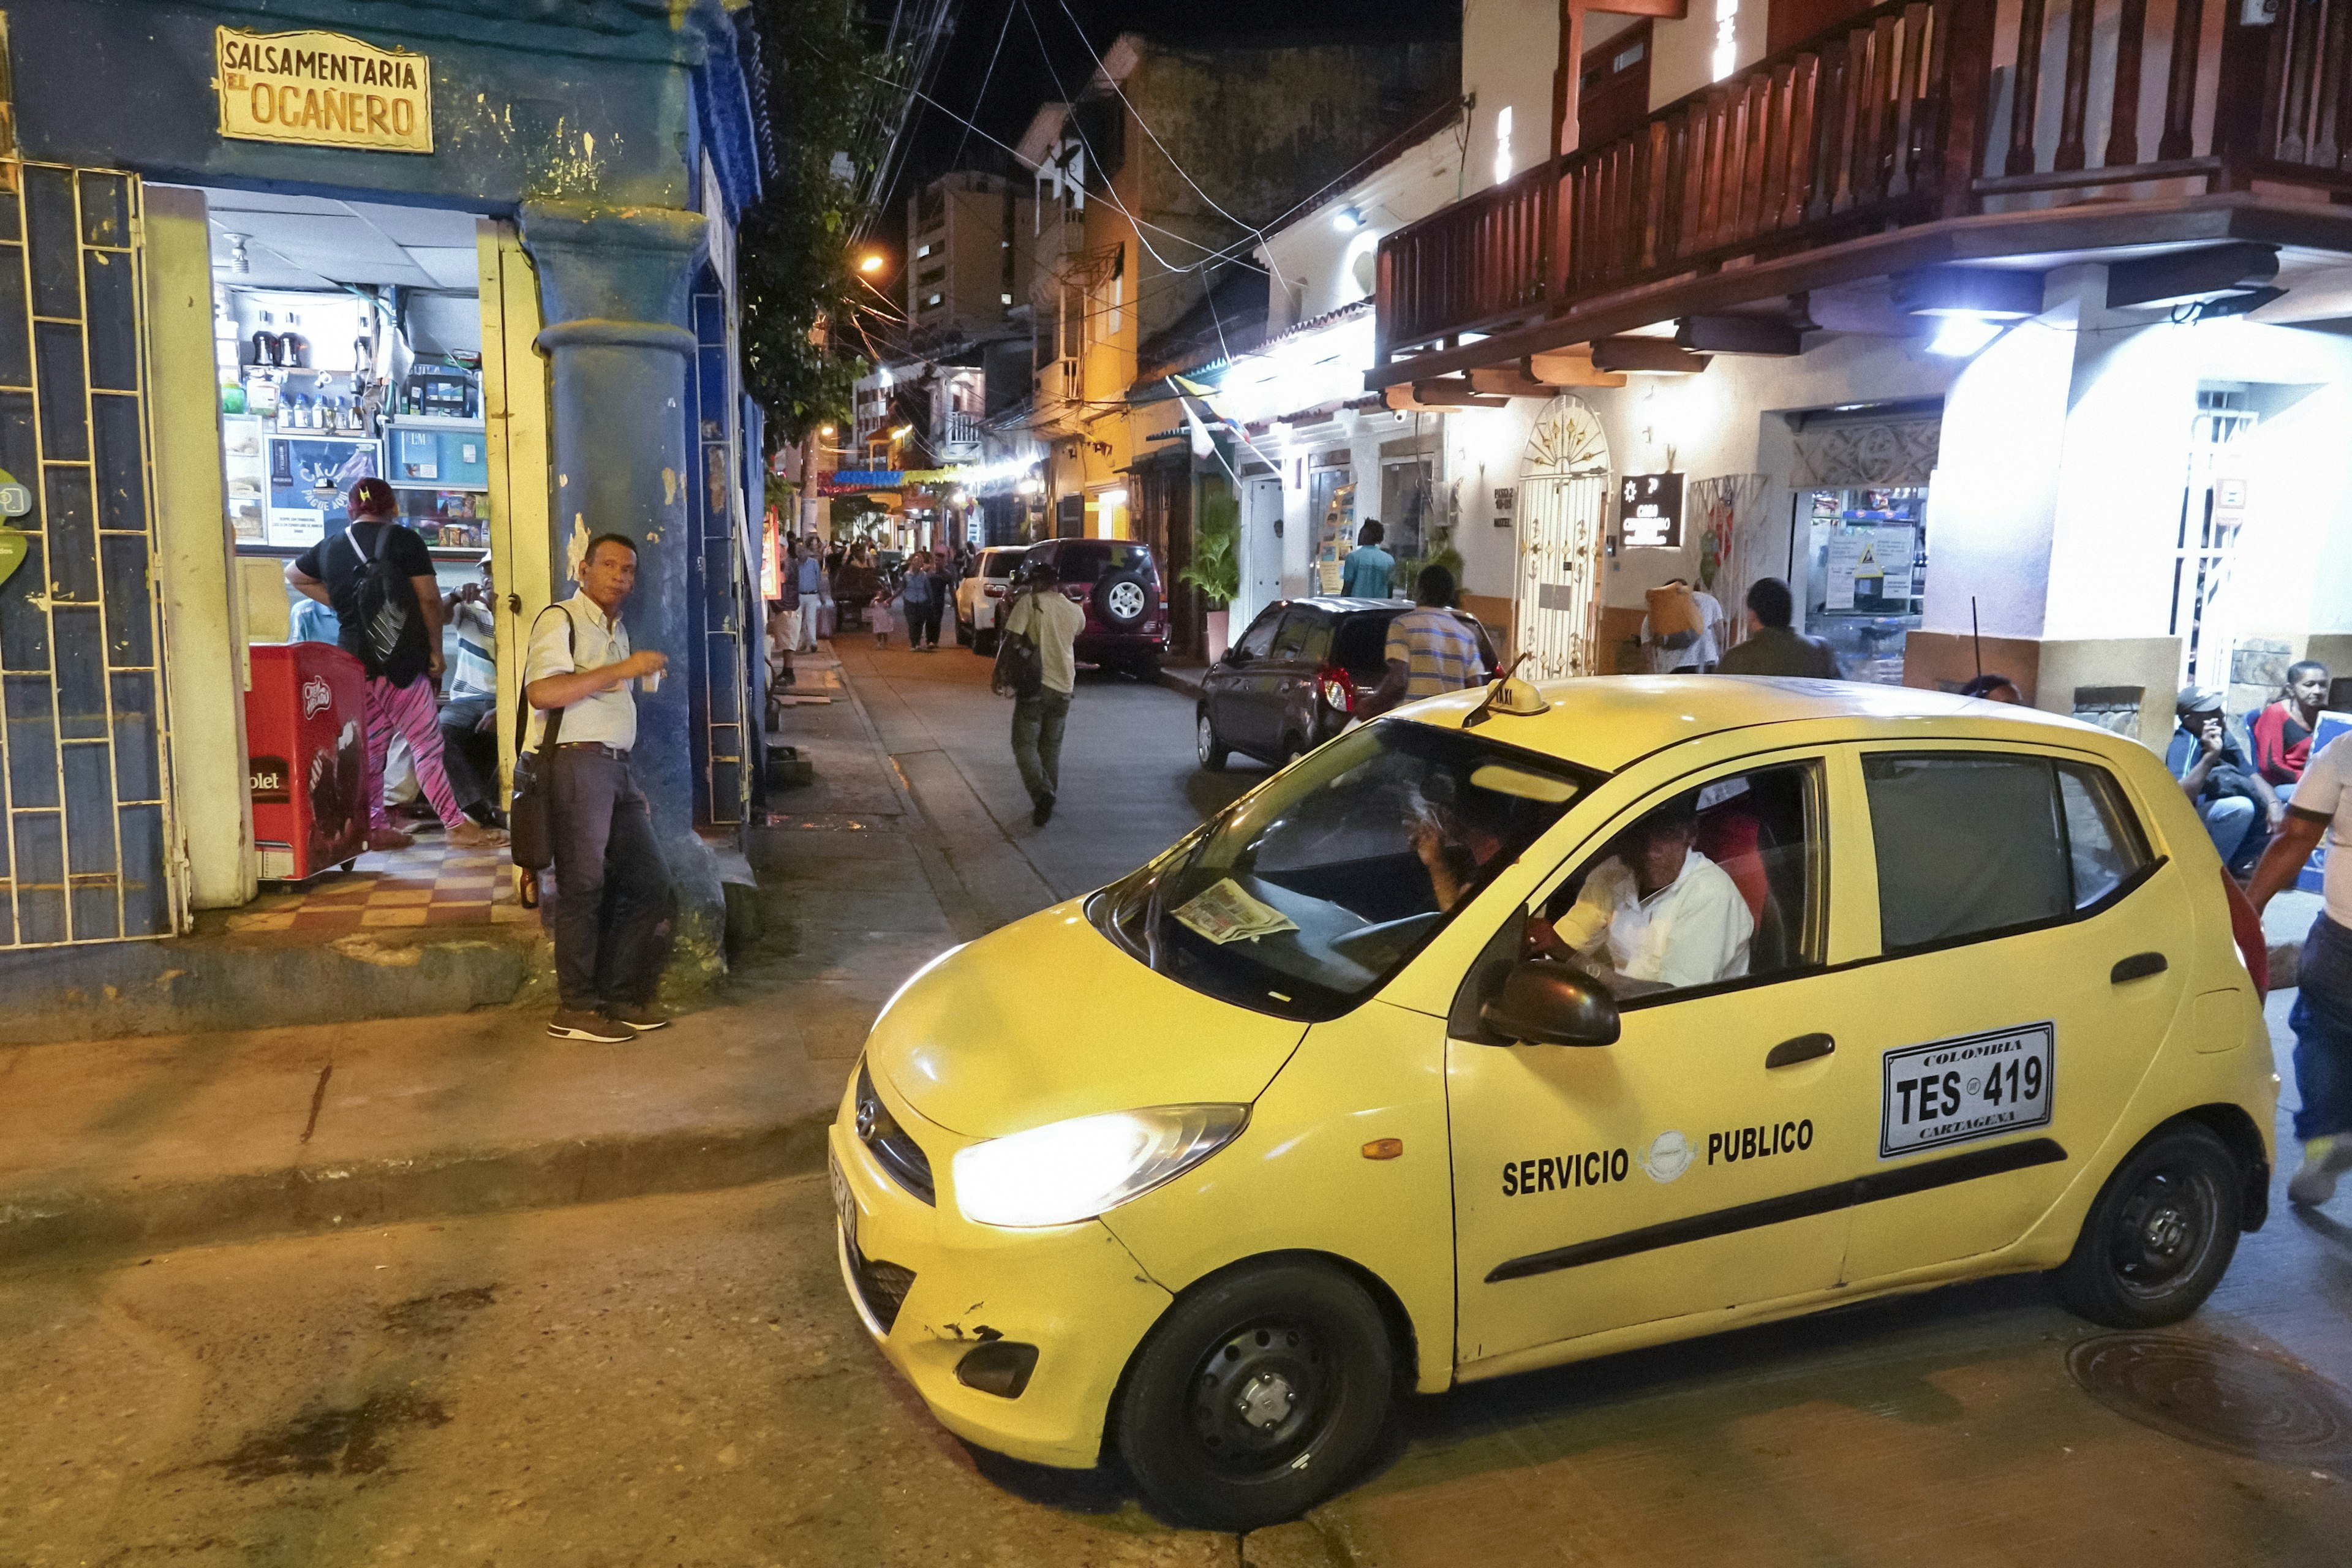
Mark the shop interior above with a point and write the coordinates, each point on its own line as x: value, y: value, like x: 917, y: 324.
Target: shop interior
x: 1868, y: 582
x: 348, y: 338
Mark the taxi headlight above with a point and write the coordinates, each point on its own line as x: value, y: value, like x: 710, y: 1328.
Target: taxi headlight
x: 1066, y: 1172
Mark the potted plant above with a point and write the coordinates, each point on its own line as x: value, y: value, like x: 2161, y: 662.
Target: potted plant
x: 1215, y: 569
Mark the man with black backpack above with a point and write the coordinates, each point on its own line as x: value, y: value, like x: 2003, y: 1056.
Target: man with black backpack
x: 377, y: 576
x: 1038, y: 661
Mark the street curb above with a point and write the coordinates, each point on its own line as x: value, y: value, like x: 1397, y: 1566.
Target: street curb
x: 350, y: 1195
x: 1183, y: 682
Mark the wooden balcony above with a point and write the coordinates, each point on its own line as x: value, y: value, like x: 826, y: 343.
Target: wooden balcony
x: 1921, y: 130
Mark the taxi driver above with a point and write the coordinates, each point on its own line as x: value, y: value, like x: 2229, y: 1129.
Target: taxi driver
x: 1657, y: 913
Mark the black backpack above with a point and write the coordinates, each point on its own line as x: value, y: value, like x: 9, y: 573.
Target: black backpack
x: 391, y: 623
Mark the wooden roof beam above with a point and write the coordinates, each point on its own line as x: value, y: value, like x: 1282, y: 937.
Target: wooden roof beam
x: 1568, y: 367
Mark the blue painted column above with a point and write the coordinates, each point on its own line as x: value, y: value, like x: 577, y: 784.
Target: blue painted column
x: 612, y: 290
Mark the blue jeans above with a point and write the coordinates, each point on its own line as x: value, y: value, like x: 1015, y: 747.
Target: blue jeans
x: 2322, y: 1021
x: 2239, y: 830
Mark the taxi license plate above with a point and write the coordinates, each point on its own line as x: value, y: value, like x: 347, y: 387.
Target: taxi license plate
x: 1970, y: 1087
x: 843, y: 1204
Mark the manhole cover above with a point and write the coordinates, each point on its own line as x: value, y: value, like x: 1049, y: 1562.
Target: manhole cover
x: 2224, y: 1396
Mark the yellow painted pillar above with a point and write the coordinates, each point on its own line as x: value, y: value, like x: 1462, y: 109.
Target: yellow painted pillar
x: 514, y: 413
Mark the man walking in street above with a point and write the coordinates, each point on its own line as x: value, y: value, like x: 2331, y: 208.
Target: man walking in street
x: 612, y: 902
x: 2322, y: 1014
x: 1053, y: 623
x: 1429, y: 650
x: 377, y: 575
x: 1770, y: 647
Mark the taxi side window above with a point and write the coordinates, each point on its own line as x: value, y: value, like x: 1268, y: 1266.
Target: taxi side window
x: 1713, y: 886
x: 1977, y: 844
x: 2105, y: 849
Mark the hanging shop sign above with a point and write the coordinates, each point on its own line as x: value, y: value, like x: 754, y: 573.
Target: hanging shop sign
x: 1650, y: 510
x: 323, y: 89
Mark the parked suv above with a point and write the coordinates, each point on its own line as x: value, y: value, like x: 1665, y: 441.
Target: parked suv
x: 1293, y: 680
x: 1118, y: 585
x: 980, y: 598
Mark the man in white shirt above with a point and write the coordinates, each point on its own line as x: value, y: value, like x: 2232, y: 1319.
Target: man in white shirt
x: 1658, y: 913
x: 2322, y: 1014
x: 610, y: 914
x: 1697, y: 656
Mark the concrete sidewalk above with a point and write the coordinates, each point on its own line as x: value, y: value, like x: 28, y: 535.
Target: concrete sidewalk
x: 167, y: 1141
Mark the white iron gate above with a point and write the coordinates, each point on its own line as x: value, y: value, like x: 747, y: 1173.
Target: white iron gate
x: 1560, y: 559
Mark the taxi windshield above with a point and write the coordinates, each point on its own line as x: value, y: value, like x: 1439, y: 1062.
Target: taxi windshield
x: 1304, y: 898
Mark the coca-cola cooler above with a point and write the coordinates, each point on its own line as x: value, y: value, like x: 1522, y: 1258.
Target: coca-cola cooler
x: 305, y: 749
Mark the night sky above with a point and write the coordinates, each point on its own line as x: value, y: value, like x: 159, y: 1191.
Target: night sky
x: 1025, y: 74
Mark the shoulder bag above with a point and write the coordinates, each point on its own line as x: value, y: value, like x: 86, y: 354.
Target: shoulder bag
x: 1019, y: 664
x: 530, y: 828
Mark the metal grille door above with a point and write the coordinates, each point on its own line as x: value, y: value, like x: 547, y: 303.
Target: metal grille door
x: 719, y: 698
x: 81, y: 753
x: 2205, y: 611
x: 1560, y: 565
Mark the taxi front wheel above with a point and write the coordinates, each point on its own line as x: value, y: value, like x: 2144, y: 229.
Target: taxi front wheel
x: 1256, y: 1395
x: 2161, y: 1234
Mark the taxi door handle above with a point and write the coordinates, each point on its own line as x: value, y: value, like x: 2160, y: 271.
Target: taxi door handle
x: 2138, y: 966
x: 1804, y: 1048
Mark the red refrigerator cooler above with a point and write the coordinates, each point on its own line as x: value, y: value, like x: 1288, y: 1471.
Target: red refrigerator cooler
x: 306, y: 747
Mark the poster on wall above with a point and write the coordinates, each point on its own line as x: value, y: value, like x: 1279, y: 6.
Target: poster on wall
x: 1846, y: 561
x: 1650, y: 510
x: 308, y: 478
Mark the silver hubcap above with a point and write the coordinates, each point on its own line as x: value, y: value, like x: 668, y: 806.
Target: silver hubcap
x: 1205, y: 737
x: 1126, y: 600
x: 1265, y: 1400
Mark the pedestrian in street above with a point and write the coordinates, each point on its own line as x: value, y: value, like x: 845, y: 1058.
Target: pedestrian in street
x: 1044, y: 616
x: 2215, y: 767
x: 2322, y: 1014
x: 1770, y: 648
x: 613, y: 902
x: 858, y: 588
x: 2281, y: 731
x: 810, y: 572
x: 1368, y: 571
x: 469, y: 720
x: 922, y: 595
x: 1430, y: 651
x: 377, y: 575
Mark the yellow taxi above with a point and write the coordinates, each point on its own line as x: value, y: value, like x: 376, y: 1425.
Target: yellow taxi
x: 1502, y: 1033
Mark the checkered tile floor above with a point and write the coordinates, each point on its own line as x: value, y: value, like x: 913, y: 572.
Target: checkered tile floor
x: 429, y: 884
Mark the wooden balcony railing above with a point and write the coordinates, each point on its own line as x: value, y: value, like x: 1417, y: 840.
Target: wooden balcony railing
x: 1915, y: 111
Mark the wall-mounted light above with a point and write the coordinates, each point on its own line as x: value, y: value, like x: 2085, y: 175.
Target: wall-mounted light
x: 1348, y: 220
x: 1114, y: 497
x: 1502, y: 143
x: 1963, y: 332
x: 1972, y: 305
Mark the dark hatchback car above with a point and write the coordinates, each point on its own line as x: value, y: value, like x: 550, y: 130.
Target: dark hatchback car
x: 1118, y: 585
x: 1294, y: 678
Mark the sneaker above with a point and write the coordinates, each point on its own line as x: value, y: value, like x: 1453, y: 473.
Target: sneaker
x: 386, y: 838
x: 1043, y: 813
x: 579, y: 1024
x: 645, y: 1019
x: 2323, y: 1159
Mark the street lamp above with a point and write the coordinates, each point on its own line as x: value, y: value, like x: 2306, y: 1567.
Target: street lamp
x: 870, y: 263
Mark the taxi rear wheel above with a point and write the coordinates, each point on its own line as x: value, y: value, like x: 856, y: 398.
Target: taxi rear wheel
x: 2161, y: 1234
x: 1256, y: 1395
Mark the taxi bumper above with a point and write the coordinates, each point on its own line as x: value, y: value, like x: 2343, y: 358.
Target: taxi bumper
x: 932, y: 1288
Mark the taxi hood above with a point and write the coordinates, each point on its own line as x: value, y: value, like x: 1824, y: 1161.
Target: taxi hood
x: 1046, y: 1019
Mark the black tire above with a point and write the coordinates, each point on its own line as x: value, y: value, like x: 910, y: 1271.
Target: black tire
x: 1123, y: 599
x: 963, y: 631
x: 2161, y: 1234
x: 1257, y: 1396
x: 984, y: 643
x: 1211, y: 752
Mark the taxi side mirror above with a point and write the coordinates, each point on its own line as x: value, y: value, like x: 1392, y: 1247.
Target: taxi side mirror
x: 1545, y: 1004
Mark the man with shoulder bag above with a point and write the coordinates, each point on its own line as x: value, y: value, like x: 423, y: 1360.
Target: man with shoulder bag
x: 612, y: 900
x: 1037, y: 667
